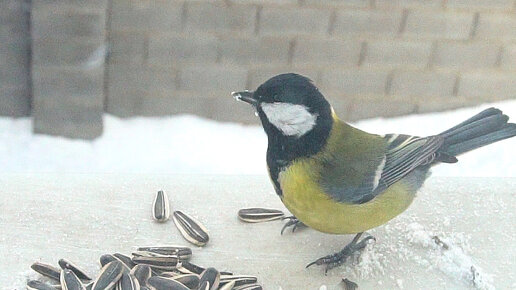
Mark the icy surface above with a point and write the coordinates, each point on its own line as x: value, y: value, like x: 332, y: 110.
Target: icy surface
x: 187, y: 144
x: 82, y: 216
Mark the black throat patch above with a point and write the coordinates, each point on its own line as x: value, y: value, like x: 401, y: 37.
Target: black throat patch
x: 283, y: 150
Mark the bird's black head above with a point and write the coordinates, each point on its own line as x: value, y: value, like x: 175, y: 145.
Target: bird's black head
x: 294, y: 114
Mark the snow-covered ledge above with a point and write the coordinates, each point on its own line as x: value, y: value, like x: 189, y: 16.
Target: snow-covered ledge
x: 80, y: 217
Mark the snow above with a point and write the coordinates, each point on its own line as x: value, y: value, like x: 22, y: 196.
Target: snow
x: 188, y: 144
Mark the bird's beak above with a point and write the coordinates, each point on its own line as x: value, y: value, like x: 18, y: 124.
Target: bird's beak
x: 245, y: 96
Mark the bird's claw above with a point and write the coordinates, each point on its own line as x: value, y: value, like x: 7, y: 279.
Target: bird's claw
x: 337, y: 259
x: 292, y: 222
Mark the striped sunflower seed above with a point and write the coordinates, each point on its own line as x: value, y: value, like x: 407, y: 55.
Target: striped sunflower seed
x: 205, y: 286
x: 70, y: 281
x: 183, y: 253
x: 109, y: 275
x: 249, y: 287
x: 107, y: 258
x: 189, y: 280
x: 228, y: 286
x: 160, y: 207
x: 164, y: 263
x: 142, y: 273
x: 238, y: 279
x: 38, y: 285
x: 211, y: 275
x: 47, y: 270
x: 192, y: 230
x: 128, y: 282
x: 160, y: 283
x: 64, y: 264
x: 125, y: 260
x: 258, y: 215
x: 189, y: 268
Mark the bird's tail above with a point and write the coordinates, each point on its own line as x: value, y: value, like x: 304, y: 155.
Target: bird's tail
x: 484, y: 128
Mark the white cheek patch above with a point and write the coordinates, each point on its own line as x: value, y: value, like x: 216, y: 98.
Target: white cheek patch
x: 290, y: 119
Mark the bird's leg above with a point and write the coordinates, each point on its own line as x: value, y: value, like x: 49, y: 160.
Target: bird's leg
x: 334, y: 260
x: 292, y: 222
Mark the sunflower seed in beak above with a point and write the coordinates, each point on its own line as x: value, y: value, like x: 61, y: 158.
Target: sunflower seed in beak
x: 109, y: 275
x: 70, y: 281
x: 38, y: 285
x: 65, y: 264
x: 192, y: 230
x: 47, y: 270
x: 160, y: 283
x: 212, y: 276
x: 160, y: 207
x: 258, y: 215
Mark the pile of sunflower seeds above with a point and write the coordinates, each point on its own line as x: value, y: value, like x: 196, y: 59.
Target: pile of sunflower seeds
x: 190, y: 228
x: 157, y: 268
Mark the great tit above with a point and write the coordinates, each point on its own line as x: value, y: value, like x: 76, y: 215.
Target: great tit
x: 338, y: 179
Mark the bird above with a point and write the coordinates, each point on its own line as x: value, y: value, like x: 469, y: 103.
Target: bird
x: 338, y: 179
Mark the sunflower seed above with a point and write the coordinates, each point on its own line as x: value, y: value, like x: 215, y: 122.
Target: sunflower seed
x: 160, y: 283
x: 238, y: 279
x: 228, y: 286
x: 141, y: 273
x: 145, y: 288
x: 125, y: 260
x: 109, y: 275
x: 64, y: 264
x: 70, y: 281
x: 183, y: 253
x: 205, y: 286
x: 128, y: 282
x: 189, y: 268
x: 226, y: 273
x: 249, y: 287
x: 189, y: 280
x: 166, y: 263
x: 160, y: 207
x: 47, y: 270
x: 192, y: 230
x: 258, y: 215
x: 349, y: 285
x: 106, y: 258
x: 38, y: 285
x: 211, y: 275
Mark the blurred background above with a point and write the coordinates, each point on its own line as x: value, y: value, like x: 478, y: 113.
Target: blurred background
x: 88, y: 69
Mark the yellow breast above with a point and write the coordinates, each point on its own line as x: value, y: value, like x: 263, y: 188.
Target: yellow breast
x: 306, y: 200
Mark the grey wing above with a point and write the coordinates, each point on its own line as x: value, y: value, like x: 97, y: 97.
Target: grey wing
x: 403, y: 154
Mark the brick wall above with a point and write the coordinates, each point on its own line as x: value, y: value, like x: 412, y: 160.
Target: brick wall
x: 14, y: 58
x: 68, y: 54
x: 369, y: 57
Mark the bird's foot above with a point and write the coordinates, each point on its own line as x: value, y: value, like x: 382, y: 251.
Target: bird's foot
x: 292, y: 222
x: 337, y: 259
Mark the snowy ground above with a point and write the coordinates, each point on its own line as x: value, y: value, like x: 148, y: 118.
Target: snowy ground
x: 46, y: 217
x: 188, y: 144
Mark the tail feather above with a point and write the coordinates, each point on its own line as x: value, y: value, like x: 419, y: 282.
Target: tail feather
x: 487, y: 127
